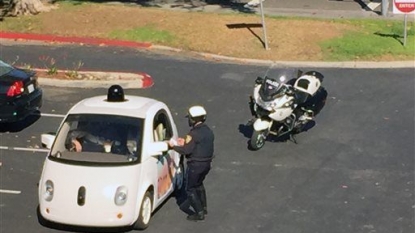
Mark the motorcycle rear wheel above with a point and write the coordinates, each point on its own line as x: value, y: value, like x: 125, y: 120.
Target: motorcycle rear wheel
x: 257, y: 140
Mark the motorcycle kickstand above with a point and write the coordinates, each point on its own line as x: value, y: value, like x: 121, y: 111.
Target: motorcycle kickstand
x: 251, y: 121
x: 292, y: 138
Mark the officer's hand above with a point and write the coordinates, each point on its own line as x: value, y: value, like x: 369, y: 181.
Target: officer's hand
x: 172, y: 143
x: 76, y: 145
x: 180, y: 141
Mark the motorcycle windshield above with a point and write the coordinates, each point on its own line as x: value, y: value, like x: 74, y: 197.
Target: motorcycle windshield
x: 275, y: 83
x: 271, y: 89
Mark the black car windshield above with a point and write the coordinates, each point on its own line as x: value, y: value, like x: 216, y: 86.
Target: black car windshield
x: 99, y: 139
x: 5, y: 68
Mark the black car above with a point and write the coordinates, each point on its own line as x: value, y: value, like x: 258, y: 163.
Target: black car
x: 20, y: 94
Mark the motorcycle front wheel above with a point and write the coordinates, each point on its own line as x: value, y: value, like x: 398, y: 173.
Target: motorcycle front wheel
x: 257, y: 140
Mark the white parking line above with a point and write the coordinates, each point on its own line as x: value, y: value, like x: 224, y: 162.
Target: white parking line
x: 52, y: 115
x: 33, y: 149
x: 23, y: 149
x: 10, y: 191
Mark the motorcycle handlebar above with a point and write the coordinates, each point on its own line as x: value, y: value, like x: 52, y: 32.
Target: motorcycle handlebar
x: 290, y: 90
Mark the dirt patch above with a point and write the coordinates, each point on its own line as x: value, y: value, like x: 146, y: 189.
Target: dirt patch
x: 295, y: 40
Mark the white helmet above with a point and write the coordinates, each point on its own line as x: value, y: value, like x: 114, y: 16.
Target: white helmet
x: 197, y: 111
x: 196, y: 114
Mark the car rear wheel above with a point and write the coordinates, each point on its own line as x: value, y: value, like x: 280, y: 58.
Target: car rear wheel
x: 145, y: 212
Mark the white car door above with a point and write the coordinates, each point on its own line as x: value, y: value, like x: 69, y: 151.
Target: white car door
x: 165, y: 163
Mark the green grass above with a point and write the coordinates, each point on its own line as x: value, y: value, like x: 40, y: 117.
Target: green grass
x: 370, y: 39
x: 147, y: 34
x: 23, y: 23
x: 28, y: 23
x: 374, y: 38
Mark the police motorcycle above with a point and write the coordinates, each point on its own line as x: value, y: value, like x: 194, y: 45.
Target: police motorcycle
x: 285, y: 105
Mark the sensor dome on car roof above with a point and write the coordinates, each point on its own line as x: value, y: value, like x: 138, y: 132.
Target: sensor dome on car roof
x: 115, y: 94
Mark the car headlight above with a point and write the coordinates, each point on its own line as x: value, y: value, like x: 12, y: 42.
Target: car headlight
x: 121, y: 195
x: 48, y: 191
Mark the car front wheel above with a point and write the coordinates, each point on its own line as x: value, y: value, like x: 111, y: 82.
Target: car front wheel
x: 145, y: 212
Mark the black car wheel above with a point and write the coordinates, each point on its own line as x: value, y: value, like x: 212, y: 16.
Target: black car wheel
x: 144, y: 216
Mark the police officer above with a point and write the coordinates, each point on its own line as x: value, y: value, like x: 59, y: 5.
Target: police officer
x: 197, y: 147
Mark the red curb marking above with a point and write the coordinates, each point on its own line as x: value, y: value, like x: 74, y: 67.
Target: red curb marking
x: 147, y: 80
x: 71, y: 39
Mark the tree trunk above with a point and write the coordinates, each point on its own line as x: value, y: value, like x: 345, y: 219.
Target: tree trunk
x: 26, y: 7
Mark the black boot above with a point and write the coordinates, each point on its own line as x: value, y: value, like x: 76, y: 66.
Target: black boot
x: 201, y: 192
x: 197, y: 206
x: 196, y: 217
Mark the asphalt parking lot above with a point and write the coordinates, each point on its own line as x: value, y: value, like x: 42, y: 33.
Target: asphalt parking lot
x: 352, y: 172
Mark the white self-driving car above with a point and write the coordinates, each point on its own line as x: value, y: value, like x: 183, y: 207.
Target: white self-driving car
x: 109, y: 163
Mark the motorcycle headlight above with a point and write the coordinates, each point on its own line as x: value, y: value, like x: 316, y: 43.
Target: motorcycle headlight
x: 48, y: 191
x: 288, y: 104
x: 270, y: 106
x: 266, y: 105
x: 121, y: 195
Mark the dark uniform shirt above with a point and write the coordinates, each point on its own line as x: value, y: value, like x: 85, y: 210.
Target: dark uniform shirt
x: 198, y: 144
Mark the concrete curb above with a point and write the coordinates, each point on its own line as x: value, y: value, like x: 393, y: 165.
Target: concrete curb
x: 106, y: 42
x: 101, y: 80
x: 316, y: 64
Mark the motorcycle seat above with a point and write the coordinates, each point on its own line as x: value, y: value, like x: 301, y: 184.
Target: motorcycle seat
x: 301, y: 97
x: 308, y: 84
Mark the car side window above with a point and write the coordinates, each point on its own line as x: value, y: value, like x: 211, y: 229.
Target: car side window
x: 162, y: 127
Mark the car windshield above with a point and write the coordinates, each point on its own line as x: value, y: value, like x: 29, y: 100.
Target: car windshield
x: 5, y: 68
x: 99, y: 139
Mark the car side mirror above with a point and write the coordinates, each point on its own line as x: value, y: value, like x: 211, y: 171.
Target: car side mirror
x: 299, y: 73
x: 259, y: 80
x: 157, y: 148
x: 47, y: 140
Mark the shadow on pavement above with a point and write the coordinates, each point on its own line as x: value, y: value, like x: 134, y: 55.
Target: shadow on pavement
x: 235, y: 5
x: 18, y: 126
x: 68, y: 228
